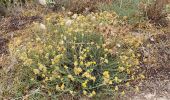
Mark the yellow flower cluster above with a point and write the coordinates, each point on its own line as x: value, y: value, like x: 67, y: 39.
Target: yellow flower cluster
x: 77, y: 70
x: 60, y: 87
x: 84, y: 84
x: 74, y: 57
x: 56, y: 59
x: 87, y: 64
x: 106, y: 78
x: 71, y: 77
x: 89, y: 76
x: 42, y: 68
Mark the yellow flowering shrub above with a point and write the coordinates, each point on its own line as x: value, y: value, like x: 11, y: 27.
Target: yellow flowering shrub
x: 71, y: 56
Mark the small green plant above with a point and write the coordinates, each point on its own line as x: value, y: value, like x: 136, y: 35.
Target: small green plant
x: 128, y: 9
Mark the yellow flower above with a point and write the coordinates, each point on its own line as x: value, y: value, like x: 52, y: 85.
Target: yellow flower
x: 124, y: 57
x: 128, y: 71
x: 32, y: 79
x: 142, y: 76
x: 83, y: 51
x: 138, y: 55
x: 50, y: 46
x: 47, y: 55
x: 116, y: 88
x: 136, y: 62
x: 93, y: 78
x: 86, y: 74
x: 58, y: 76
x: 110, y: 82
x: 116, y: 79
x: 43, y: 75
x: 110, y: 50
x: 46, y: 78
x: 94, y: 93
x: 94, y: 62
x: 127, y: 84
x: 56, y: 59
x: 98, y: 47
x: 57, y: 87
x: 85, y: 55
x: 88, y: 64
x: 61, y: 42
x: 84, y: 84
x: 137, y: 89
x: 92, y: 43
x: 71, y: 77
x: 104, y: 45
x: 28, y: 62
x: 121, y: 69
x: 65, y: 67
x: 123, y: 93
x: 42, y: 67
x: 71, y: 92
x: 101, y: 58
x: 125, y: 17
x: 106, y: 74
x: 49, y: 93
x: 77, y: 70
x: 75, y: 38
x: 55, y: 31
x: 36, y: 71
x: 106, y: 61
x: 133, y: 77
x: 90, y: 95
x: 106, y: 50
x: 106, y: 80
x: 84, y: 92
x: 51, y: 78
x: 81, y: 63
x: 81, y: 58
x: 62, y: 87
x: 75, y: 63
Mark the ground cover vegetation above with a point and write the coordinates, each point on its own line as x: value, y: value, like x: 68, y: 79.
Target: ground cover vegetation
x: 72, y: 49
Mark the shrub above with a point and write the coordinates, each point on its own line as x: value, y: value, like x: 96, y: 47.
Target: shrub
x: 68, y: 55
x: 156, y: 12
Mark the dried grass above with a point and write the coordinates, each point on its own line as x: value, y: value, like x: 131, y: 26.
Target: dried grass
x: 155, y: 12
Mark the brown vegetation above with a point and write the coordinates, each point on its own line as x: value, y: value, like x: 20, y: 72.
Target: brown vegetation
x: 155, y: 12
x: 77, y: 6
x: 17, y: 22
x: 2, y: 11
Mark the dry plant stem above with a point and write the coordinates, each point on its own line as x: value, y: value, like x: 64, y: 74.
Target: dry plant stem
x: 155, y: 11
